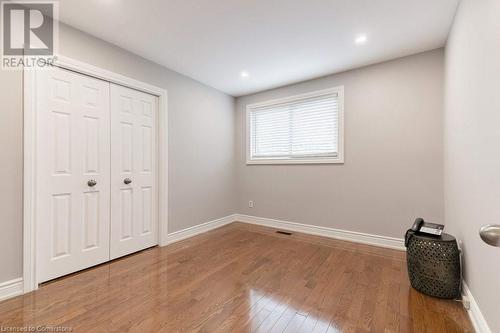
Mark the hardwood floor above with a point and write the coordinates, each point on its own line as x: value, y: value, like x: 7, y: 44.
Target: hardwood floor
x: 241, y: 278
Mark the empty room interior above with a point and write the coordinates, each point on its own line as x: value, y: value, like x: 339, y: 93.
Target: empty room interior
x: 250, y: 166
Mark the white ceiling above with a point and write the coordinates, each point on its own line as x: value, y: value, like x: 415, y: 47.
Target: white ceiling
x: 277, y: 42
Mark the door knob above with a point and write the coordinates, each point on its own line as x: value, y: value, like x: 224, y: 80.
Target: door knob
x: 92, y: 183
x: 490, y: 234
x: 127, y: 181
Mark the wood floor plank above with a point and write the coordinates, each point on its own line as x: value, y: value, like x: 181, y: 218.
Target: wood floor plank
x: 241, y: 278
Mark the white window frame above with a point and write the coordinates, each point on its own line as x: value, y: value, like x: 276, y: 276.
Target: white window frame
x: 317, y: 160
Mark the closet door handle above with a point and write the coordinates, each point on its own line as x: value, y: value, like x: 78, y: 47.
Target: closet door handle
x: 127, y: 181
x: 91, y: 183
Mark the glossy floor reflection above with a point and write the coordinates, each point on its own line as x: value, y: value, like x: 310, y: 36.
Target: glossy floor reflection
x: 241, y: 278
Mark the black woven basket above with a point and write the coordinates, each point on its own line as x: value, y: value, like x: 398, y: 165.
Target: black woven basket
x: 434, y: 265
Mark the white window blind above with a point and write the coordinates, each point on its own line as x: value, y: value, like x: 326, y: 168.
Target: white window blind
x: 298, y: 128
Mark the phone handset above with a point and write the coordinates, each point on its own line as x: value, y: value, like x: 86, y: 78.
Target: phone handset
x: 417, y: 224
x: 414, y: 228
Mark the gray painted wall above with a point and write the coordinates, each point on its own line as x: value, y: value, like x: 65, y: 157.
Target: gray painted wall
x: 11, y: 166
x: 472, y: 145
x: 201, y: 143
x: 393, y: 167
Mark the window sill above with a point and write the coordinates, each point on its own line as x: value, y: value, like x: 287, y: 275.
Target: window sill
x: 295, y: 161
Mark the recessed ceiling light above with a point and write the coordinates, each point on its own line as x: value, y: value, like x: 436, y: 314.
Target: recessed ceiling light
x: 361, y: 39
x: 244, y: 74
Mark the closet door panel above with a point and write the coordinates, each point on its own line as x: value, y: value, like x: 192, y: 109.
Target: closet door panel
x: 133, y: 177
x: 72, y: 149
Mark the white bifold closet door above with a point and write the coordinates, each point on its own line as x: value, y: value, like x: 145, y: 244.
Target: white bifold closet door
x: 133, y: 171
x: 96, y: 190
x: 72, y: 172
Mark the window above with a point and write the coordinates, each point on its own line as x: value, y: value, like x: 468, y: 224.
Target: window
x: 300, y: 129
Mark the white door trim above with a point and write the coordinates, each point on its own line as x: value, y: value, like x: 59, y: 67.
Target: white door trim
x: 29, y: 223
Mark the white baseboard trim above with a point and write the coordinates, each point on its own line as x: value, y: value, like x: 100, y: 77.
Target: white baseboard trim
x: 199, y: 229
x: 351, y: 236
x: 475, y: 315
x: 11, y: 288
